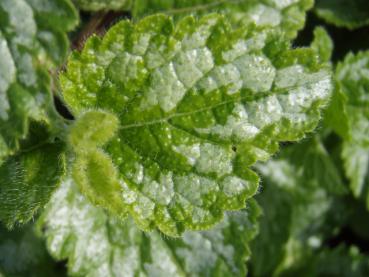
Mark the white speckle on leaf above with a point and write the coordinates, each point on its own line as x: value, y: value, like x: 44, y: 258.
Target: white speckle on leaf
x: 264, y: 112
x: 257, y: 72
x: 166, y: 89
x: 233, y: 185
x: 144, y: 207
x: 192, y: 65
x: 237, y: 126
x: 214, y: 159
x: 7, y: 76
x: 129, y: 196
x: 263, y: 15
x: 160, y: 191
x: 191, y: 152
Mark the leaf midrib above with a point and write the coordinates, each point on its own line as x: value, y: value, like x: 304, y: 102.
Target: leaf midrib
x: 282, y: 91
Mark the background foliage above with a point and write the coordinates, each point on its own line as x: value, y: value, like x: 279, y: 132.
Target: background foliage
x: 94, y: 182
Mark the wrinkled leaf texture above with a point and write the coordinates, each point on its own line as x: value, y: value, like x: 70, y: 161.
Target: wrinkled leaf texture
x: 196, y: 104
x: 32, y: 40
x: 98, y: 244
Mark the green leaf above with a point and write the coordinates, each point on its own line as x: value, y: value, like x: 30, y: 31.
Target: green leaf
x: 97, y: 5
x: 335, y: 116
x: 23, y: 253
x: 314, y: 165
x: 352, y: 77
x: 53, y: 19
x: 341, y: 261
x: 84, y: 136
x: 275, y: 224
x: 97, y: 244
x: 322, y: 44
x: 356, y: 164
x: 350, y: 14
x: 29, y: 31
x: 286, y: 15
x: 197, y: 104
x: 27, y: 181
x: 298, y: 206
x: 351, y: 74
x: 98, y: 179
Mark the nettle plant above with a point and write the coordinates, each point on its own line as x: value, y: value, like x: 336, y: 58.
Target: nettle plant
x: 145, y: 153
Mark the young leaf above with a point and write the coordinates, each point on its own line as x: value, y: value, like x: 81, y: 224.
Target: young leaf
x: 29, y: 31
x: 97, y: 244
x: 322, y: 44
x: 351, y: 14
x: 288, y: 16
x: 84, y: 136
x: 97, y: 5
x: 197, y: 103
x: 27, y: 181
x: 353, y: 79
